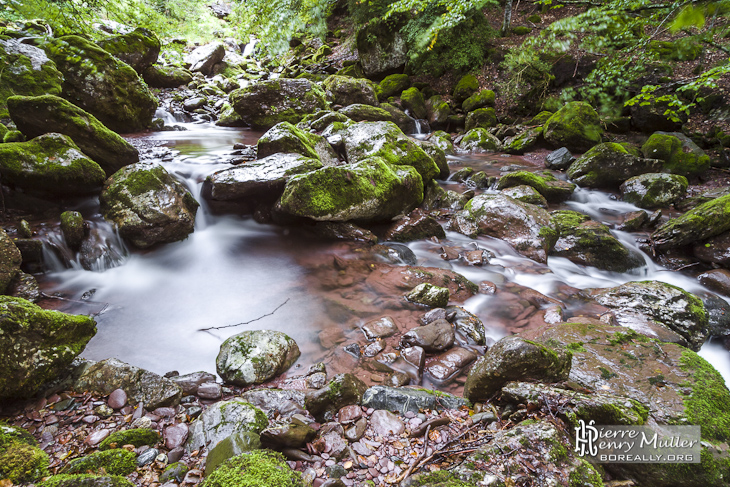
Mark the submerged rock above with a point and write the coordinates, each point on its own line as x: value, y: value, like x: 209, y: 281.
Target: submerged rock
x: 434, y: 337
x: 575, y: 126
x: 255, y: 356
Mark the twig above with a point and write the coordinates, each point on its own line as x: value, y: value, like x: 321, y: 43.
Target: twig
x: 51, y: 296
x: 245, y: 322
x: 686, y: 266
x: 418, y: 460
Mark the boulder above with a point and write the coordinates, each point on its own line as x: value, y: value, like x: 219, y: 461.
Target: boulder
x: 575, y: 126
x: 413, y: 101
x: 38, y: 345
x: 28, y: 71
x: 405, y: 399
x: 398, y: 117
x: 381, y: 49
x: 286, y: 138
x: 608, y: 165
x: 50, y: 163
x: 553, y: 189
x: 224, y: 419
x: 715, y: 250
x: 276, y: 402
x: 10, y: 260
x: 266, y: 103
x: 465, y: 87
x: 680, y: 155
x: 559, y: 159
x: 148, y: 205
x: 140, y: 48
x: 135, y: 436
x: 654, y: 190
x: 515, y: 359
x: 526, y: 194
x: 102, y: 85
x: 481, y: 118
x: 140, y: 385
x: 717, y: 280
x: 343, y: 390
x: 524, y: 141
x: 35, y: 116
x: 437, y: 112
x: 203, y: 58
x: 497, y: 215
x: 416, y: 226
x: 705, y: 221
x: 482, y: 99
x: 157, y: 76
x: 392, y: 85
x: 255, y: 356
x: 442, y: 140
x: 343, y: 90
x: 367, y: 113
x: 437, y: 154
x: 650, y: 117
x: 479, y: 140
x: 429, y: 295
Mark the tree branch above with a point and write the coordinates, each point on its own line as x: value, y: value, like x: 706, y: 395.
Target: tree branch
x: 245, y: 322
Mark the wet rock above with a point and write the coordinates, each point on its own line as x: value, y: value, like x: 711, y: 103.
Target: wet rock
x: 194, y: 103
x: 381, y: 328
x: 372, y: 349
x: 148, y: 205
x: 436, y: 198
x: 575, y: 126
x: 716, y: 279
x: 608, y: 165
x: 559, y: 159
x: 433, y: 315
x: 526, y: 194
x: 705, y: 196
x: 190, y: 382
x: 97, y: 437
x: 514, y: 358
x: 715, y: 250
x: 174, y: 471
x: 343, y: 90
x: 429, y: 295
x: 344, y: 231
x: 648, y: 305
x: 718, y: 315
x: 286, y: 138
x: 72, y: 226
x: 415, y: 356
x: 368, y: 113
x: 385, y: 423
x: 467, y: 325
x: 38, y: 345
x: 139, y: 48
x: 381, y: 49
x: 10, y: 260
x: 157, y: 76
x: 224, y: 419
x: 654, y: 190
x: 255, y: 356
x: 147, y: 457
x: 553, y: 189
x: 633, y: 221
x: 442, y: 140
x: 357, y: 430
x: 404, y: 399
x: 209, y: 391
x: 139, y: 384
x: 705, y: 221
x: 205, y: 57
x: 434, y: 337
x: 449, y: 364
x: 416, y: 226
x: 479, y: 140
x: 680, y: 155
x: 175, y: 435
x: 342, y: 390
x: 291, y: 435
x: 229, y: 447
x: 117, y: 399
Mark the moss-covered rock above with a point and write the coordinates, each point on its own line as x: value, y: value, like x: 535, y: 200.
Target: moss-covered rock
x: 705, y: 221
x: 343, y: 390
x: 654, y: 190
x: 286, y: 138
x: 10, y: 260
x: 148, y: 205
x: 255, y: 356
x: 84, y: 480
x: 320, y: 120
x: 553, y: 189
x: 381, y: 49
x: 263, y: 468
x: 479, y: 140
x: 465, y: 87
x: 429, y: 295
x: 442, y: 140
x: 481, y: 118
x: 222, y: 420
x: 343, y: 90
x: 140, y: 48
x: 14, y: 136
x: 228, y: 117
x: 413, y: 101
x: 541, y: 118
x: 678, y: 152
x: 437, y: 111
x: 39, y: 115
x: 483, y: 99
x: 52, y: 164
x: 524, y: 141
x: 166, y: 76
x: 39, y: 345
x: 575, y: 126
x: 28, y: 71
x: 266, y: 103
x: 112, y: 462
x: 367, y: 113
x: 20, y: 459
x: 72, y: 227
x: 526, y: 194
x: 608, y: 165
x: 230, y: 447
x: 102, y: 85
x: 370, y: 190
x: 136, y: 436
x: 392, y: 85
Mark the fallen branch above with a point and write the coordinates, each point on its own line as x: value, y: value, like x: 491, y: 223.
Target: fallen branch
x: 418, y: 460
x: 245, y: 322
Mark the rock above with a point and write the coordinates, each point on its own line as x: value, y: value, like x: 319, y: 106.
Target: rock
x: 102, y: 85
x: 559, y: 159
x: 478, y: 139
x: 343, y: 390
x: 678, y: 152
x: 114, y: 462
x: 413, y: 101
x: 175, y: 435
x: 449, y: 364
x: 575, y: 126
x: 10, y: 260
x: 434, y: 337
x: 322, y: 119
x: 632, y: 221
x: 385, y: 423
x: 438, y: 112
x: 524, y: 141
x: 367, y: 113
x: 343, y: 90
x: 587, y: 242
x: 97, y: 437
x: 209, y: 391
x: 266, y: 103
x: 194, y: 103
x: 370, y: 190
x: 483, y: 118
x: 650, y: 117
x: 230, y: 447
x: 148, y: 205
x: 608, y: 165
x: 290, y: 435
x: 255, y: 356
x: 72, y: 227
x: 415, y: 356
x: 438, y: 155
x: 415, y: 226
x: 715, y: 250
x: 654, y: 190
x: 157, y: 76
x: 643, y: 306
x: 436, y: 197
x: 136, y: 437
x: 147, y: 457
x: 224, y: 419
x: 500, y: 216
x: 276, y: 402
x: 175, y: 471
x: 203, y: 58
x: 381, y: 49
x: 382, y: 328
x: 514, y: 358
x: 526, y: 194
x: 484, y: 98
x: 117, y: 399
x: 707, y: 195
x: 286, y: 138
x: 38, y: 345
x: 705, y: 221
x: 139, y: 49
x: 392, y: 85
x: 190, y: 382
x: 84, y: 480
x: 139, y: 384
x: 465, y: 87
x: 553, y: 189
x: 468, y: 325
x: 429, y: 295
x: 51, y: 164
x: 405, y: 399
x: 399, y: 117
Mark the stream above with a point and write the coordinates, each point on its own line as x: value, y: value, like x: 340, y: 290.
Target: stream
x: 151, y: 305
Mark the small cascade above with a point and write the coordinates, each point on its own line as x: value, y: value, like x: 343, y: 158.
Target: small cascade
x: 165, y: 116
x: 102, y: 249
x: 421, y: 128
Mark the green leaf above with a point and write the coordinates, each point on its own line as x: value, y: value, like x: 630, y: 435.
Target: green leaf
x: 688, y: 17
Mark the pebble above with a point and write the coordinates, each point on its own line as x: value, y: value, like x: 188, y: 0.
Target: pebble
x: 164, y: 412
x: 175, y: 455
x: 117, y: 399
x: 142, y: 423
x: 350, y: 413
x: 148, y: 456
x: 97, y: 437
x: 103, y: 410
x: 210, y: 390
x: 386, y: 423
x: 175, y: 435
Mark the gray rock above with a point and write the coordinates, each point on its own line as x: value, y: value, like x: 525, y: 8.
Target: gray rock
x: 10, y: 260
x: 205, y: 57
x: 190, y: 382
x: 276, y: 402
x: 255, y: 356
x: 559, y: 159
x: 209, y: 391
x: 342, y: 390
x: 705, y: 221
x: 434, y: 337
x: 429, y: 295
x: 147, y: 457
x: 416, y: 226
x: 287, y: 138
x: 385, y: 423
x: 654, y: 190
x: 289, y: 435
x: 382, y: 50
x: 230, y: 447
x: 222, y: 420
x: 404, y: 399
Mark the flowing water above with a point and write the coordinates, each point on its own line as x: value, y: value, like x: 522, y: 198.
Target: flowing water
x: 151, y: 305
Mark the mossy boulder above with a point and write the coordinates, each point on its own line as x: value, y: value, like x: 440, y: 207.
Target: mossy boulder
x: 524, y: 141
x: 553, y: 189
x: 39, y: 115
x: 541, y: 118
x: 112, y: 462
x: 442, y: 140
x: 72, y: 227
x: 526, y: 194
x: 266, y: 103
x: 381, y: 49
x: 575, y: 126
x: 497, y: 215
x: 21, y: 460
x: 479, y: 140
x: 139, y: 49
x: 51, y: 164
x: 678, y: 152
x: 136, y: 436
x: 101, y: 84
x: 86, y: 480
x: 148, y: 205
x: 437, y: 154
x: 367, y: 113
x: 481, y: 118
x: 587, y: 242
x: 514, y: 358
x: 608, y: 165
x: 28, y: 71
x: 157, y: 76
x: 263, y: 468
x: 465, y: 87
x: 706, y: 220
x: 10, y: 260
x: 343, y: 390
x: 255, y: 356
x: 438, y: 112
x: 392, y: 85
x: 286, y: 138
x: 413, y: 101
x: 228, y: 117
x: 344, y: 90
x: 371, y: 190
x: 39, y: 345
x: 654, y: 190
x: 224, y: 419
x: 483, y: 99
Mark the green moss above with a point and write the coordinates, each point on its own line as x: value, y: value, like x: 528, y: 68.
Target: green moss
x: 259, y: 468
x: 545, y: 184
x: 585, y: 474
x: 480, y: 139
x: 136, y: 437
x: 576, y: 347
x: 465, y: 87
x: 412, y: 99
x: 707, y: 404
x: 285, y: 137
x: 484, y: 98
x: 13, y: 136
x: 21, y: 462
x: 521, y: 30
x: 392, y: 85
x: 439, y: 478
x: 680, y: 156
x: 575, y: 126
x: 13, y: 434
x: 113, y: 462
x: 481, y: 118
x: 619, y: 338
x: 85, y: 480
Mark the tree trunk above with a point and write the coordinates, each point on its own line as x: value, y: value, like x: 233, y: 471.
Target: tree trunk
x: 507, y: 18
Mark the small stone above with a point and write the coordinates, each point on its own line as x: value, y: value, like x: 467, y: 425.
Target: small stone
x: 90, y: 419
x: 349, y: 414
x: 97, y: 437
x: 176, y: 435
x: 148, y: 456
x: 117, y: 399
x: 433, y: 315
x: 210, y: 391
x: 429, y: 295
x: 373, y: 349
x: 175, y: 455
x: 142, y: 423
x: 386, y: 423
x: 381, y: 328
x: 103, y: 410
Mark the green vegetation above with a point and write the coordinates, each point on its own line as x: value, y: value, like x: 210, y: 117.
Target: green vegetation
x: 113, y: 462
x: 136, y: 437
x: 706, y: 405
x: 258, y: 468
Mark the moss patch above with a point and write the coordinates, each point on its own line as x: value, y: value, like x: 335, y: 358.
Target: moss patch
x: 707, y: 404
x: 136, y: 437
x: 259, y: 468
x: 113, y: 462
